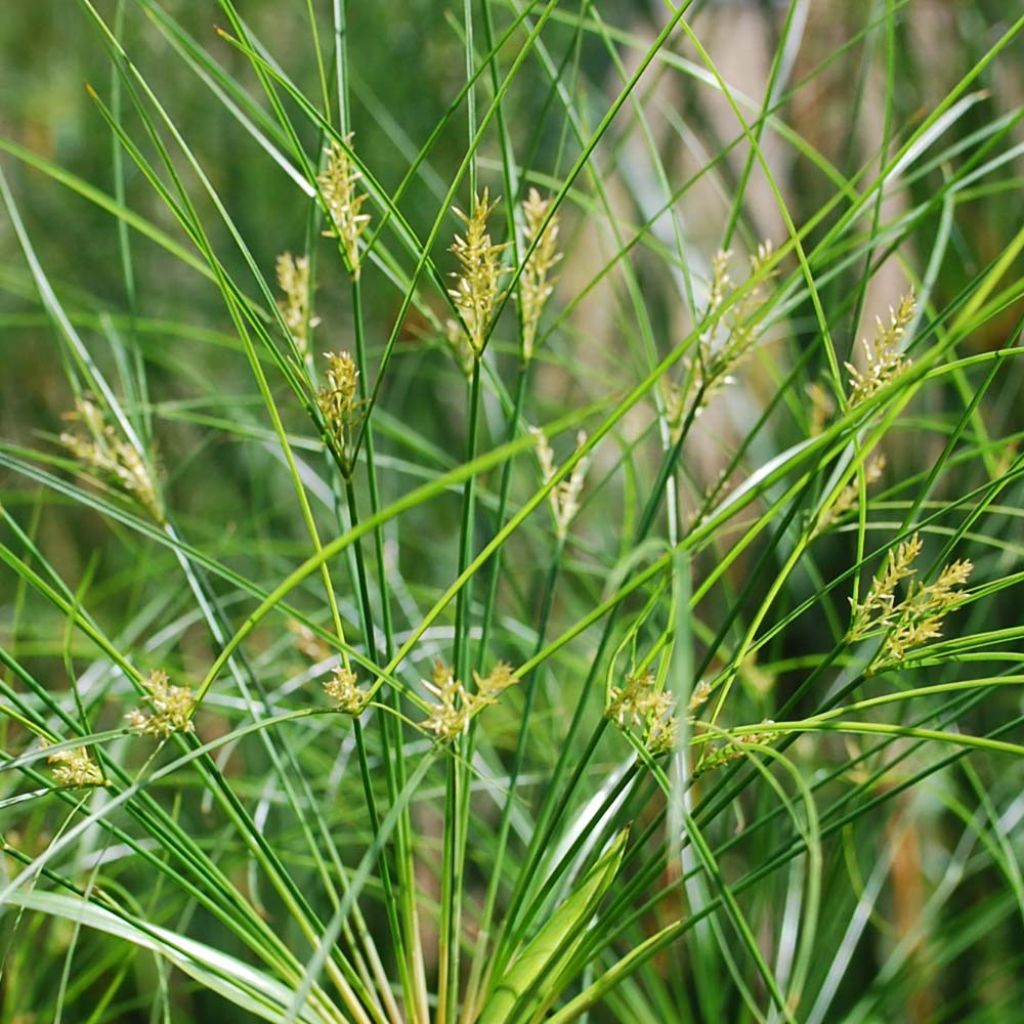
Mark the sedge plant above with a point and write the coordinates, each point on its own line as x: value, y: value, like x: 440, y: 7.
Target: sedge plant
x: 511, y: 512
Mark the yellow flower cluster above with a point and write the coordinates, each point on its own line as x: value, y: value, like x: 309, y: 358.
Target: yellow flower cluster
x: 344, y: 692
x: 919, y: 616
x: 339, y: 402
x: 476, y: 290
x: 75, y: 768
x: 535, y: 283
x: 639, y: 702
x: 172, y: 708
x: 293, y: 280
x: 564, y: 498
x: 721, y: 349
x: 733, y: 749
x: 99, y: 448
x: 454, y: 706
x: 338, y: 186
x: 883, y: 361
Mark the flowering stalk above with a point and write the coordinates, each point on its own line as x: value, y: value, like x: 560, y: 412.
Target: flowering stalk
x: 293, y: 280
x: 75, y: 768
x: 341, y: 407
x: 101, y: 450
x: 564, y: 498
x: 338, y: 186
x: 172, y: 708
x: 919, y: 616
x: 536, y: 284
x: 884, y: 361
x: 454, y: 707
x: 476, y: 290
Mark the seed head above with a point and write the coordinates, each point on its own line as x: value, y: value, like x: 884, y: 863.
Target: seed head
x: 293, y: 280
x: 639, y: 702
x: 722, y: 348
x: 75, y: 769
x: 564, y: 498
x: 733, y: 749
x: 879, y: 604
x: 100, y: 449
x: 477, y: 281
x: 535, y: 283
x: 449, y: 715
x: 919, y: 616
x: 172, y: 708
x: 454, y: 707
x: 883, y: 361
x: 491, y: 686
x: 344, y: 692
x: 339, y: 401
x: 344, y: 202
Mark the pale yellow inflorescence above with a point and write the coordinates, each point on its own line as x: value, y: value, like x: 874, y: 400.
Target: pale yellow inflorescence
x: 564, y: 498
x: 75, y: 768
x: 721, y: 349
x: 344, y: 692
x: 338, y: 184
x: 339, y: 400
x: 879, y: 605
x: 536, y: 284
x: 919, y: 616
x: 172, y: 708
x: 639, y: 702
x: 477, y: 282
x: 293, y: 280
x: 733, y: 749
x: 847, y: 497
x: 454, y: 707
x: 99, y: 448
x: 883, y: 359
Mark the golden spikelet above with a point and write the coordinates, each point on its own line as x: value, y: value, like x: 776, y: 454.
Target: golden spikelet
x: 536, y: 284
x: 449, y: 714
x: 639, y: 702
x: 883, y: 361
x: 100, y: 449
x: 477, y: 281
x: 733, y: 749
x: 879, y: 604
x: 344, y: 693
x: 454, y: 707
x: 564, y: 498
x: 922, y: 613
x: 339, y: 404
x: 919, y: 616
x: 75, y: 768
x: 293, y: 280
x: 338, y: 186
x: 172, y: 708
x: 720, y: 350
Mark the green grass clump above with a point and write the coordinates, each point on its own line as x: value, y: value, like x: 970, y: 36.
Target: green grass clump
x: 510, y: 512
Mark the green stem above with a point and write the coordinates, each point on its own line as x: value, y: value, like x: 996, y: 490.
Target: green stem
x: 518, y: 757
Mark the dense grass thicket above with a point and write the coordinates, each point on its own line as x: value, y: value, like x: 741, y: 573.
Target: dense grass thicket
x: 511, y: 511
